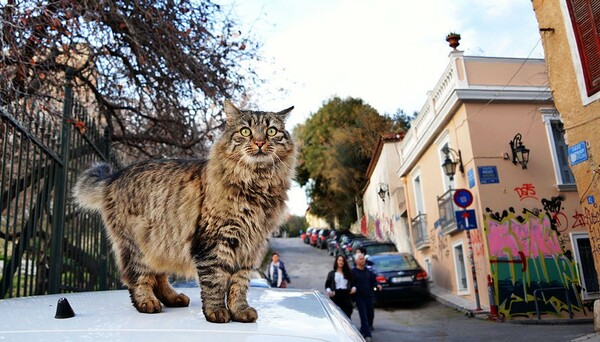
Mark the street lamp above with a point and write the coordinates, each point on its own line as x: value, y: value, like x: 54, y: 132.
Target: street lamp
x: 520, y: 154
x: 449, y: 165
x: 382, y: 191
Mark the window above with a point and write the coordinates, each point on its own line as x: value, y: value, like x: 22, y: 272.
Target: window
x: 429, y: 269
x: 559, y: 151
x: 585, y: 18
x: 419, y: 222
x: 462, y: 283
x: 420, y: 208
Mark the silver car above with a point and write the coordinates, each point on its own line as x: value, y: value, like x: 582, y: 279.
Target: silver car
x: 284, y: 315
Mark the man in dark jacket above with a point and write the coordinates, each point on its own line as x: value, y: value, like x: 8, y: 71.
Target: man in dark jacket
x: 365, y: 282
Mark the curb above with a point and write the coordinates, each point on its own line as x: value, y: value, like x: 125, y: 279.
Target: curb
x: 485, y: 314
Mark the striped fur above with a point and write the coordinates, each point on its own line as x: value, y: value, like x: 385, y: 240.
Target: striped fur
x: 205, y: 218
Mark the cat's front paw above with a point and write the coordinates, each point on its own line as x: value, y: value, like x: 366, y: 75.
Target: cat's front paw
x: 247, y: 315
x: 220, y: 315
x: 149, y: 306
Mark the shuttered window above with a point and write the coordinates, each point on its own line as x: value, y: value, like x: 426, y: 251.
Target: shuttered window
x: 585, y: 16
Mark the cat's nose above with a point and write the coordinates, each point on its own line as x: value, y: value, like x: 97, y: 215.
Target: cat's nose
x: 259, y: 143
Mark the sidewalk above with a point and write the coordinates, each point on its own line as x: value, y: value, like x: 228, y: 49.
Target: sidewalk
x: 470, y: 309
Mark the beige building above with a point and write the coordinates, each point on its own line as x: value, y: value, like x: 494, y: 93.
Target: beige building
x: 522, y: 226
x: 569, y: 34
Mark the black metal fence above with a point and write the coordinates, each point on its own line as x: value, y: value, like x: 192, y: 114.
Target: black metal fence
x: 46, y: 246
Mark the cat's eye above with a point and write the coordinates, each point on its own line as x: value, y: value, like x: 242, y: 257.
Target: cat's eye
x: 271, y: 131
x: 245, y: 132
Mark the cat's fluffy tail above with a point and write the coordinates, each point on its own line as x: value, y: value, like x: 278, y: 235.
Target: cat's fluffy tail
x: 90, y: 188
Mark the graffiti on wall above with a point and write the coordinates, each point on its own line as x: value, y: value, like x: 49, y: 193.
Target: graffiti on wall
x: 525, y: 191
x: 440, y: 245
x: 526, y: 255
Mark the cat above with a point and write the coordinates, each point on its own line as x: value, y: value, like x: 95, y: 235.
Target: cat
x: 205, y: 218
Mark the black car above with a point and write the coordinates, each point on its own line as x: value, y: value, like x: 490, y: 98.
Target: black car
x: 373, y: 247
x: 400, y: 276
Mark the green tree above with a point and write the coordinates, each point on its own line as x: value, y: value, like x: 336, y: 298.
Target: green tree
x: 294, y: 225
x: 402, y: 121
x: 335, y: 147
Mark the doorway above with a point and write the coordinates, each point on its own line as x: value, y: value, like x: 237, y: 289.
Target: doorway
x: 582, y: 249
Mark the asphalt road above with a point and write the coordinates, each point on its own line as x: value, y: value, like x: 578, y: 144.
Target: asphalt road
x: 429, y: 321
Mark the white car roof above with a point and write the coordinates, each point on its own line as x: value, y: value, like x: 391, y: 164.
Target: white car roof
x: 284, y: 315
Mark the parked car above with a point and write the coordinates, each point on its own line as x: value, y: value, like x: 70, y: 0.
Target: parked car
x: 346, y: 248
x: 333, y: 243
x: 284, y: 315
x: 313, y: 237
x: 373, y: 247
x: 303, y: 236
x: 400, y: 276
x: 306, y: 237
x: 322, y: 238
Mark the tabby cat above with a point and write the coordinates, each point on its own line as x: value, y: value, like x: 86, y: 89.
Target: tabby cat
x: 209, y: 218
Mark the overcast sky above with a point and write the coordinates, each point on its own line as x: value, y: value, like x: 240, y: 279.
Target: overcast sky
x: 389, y: 53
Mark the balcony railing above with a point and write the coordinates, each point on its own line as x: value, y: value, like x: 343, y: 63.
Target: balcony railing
x: 446, y: 208
x: 420, y: 233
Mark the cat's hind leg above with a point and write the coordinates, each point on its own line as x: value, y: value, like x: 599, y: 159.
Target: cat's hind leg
x: 139, y: 279
x: 141, y: 289
x: 237, y: 300
x: 167, y: 295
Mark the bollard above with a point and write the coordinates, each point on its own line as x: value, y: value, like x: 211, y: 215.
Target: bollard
x: 492, y: 297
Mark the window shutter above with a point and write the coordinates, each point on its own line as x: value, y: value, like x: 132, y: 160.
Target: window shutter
x: 585, y: 16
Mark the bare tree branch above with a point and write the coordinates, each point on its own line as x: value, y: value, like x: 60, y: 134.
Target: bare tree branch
x: 156, y: 69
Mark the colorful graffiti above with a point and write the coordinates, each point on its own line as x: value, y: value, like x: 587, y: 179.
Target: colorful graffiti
x: 525, y: 256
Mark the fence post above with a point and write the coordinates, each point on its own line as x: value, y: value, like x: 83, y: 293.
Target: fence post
x: 60, y: 190
x: 104, y: 252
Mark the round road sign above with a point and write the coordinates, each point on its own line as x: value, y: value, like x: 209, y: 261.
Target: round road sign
x: 463, y: 198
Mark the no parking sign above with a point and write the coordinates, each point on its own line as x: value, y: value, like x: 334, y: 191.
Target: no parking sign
x: 465, y: 219
x: 463, y: 198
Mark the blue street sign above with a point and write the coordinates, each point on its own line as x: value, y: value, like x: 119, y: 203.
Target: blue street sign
x: 590, y: 199
x: 465, y: 219
x: 578, y: 153
x: 471, y: 177
x: 488, y: 174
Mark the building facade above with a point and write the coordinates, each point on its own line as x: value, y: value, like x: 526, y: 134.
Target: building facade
x: 516, y: 223
x: 569, y: 33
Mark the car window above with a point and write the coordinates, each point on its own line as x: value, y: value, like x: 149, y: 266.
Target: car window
x: 402, y: 262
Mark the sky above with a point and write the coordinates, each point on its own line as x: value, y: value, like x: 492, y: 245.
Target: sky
x: 389, y: 53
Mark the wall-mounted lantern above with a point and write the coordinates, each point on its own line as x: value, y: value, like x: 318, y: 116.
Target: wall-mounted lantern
x: 449, y: 165
x: 382, y: 191
x: 520, y: 154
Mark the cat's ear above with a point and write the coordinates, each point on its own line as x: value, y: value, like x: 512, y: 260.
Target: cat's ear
x: 285, y: 112
x: 231, y: 111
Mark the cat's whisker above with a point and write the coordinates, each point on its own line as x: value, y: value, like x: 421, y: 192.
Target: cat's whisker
x: 273, y: 168
x: 282, y: 163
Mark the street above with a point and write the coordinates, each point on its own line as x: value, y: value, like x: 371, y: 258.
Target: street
x: 430, y: 321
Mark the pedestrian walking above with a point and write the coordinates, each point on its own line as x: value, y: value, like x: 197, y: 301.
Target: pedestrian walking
x: 339, y: 285
x: 277, y: 275
x: 365, y: 282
